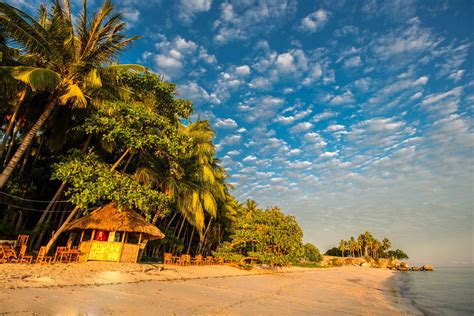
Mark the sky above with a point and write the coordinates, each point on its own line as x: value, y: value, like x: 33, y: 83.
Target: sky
x: 349, y: 115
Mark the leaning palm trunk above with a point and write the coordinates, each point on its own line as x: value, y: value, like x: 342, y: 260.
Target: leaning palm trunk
x: 11, y: 123
x: 26, y: 143
x: 203, y: 240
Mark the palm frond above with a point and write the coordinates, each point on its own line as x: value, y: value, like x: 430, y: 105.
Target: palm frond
x: 25, y: 30
x: 75, y: 96
x: 36, y: 78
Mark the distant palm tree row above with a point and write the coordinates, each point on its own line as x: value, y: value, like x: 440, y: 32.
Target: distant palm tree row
x: 366, y: 245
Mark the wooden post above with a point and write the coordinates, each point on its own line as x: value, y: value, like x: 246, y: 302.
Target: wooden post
x: 121, y: 248
x: 138, y: 247
x: 82, y: 235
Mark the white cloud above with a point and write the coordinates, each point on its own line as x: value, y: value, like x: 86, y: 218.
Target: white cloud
x: 250, y: 158
x: 436, y: 97
x: 353, y: 62
x: 174, y: 55
x: 226, y: 123
x: 242, y: 70
x: 187, y: 9
x: 294, y: 152
x: 192, y: 91
x: 301, y: 127
x: 131, y: 15
x: 345, y: 98
x: 233, y: 153
x: 328, y: 154
x: 410, y: 40
x: 231, y: 140
x: 261, y: 108
x: 260, y: 83
x: 284, y: 119
x: 240, y: 20
x: 315, y: 21
x: 335, y: 128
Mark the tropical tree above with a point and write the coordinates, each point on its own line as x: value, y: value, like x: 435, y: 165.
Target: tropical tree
x: 397, y: 254
x: 386, y: 244
x: 352, y: 246
x: 342, y: 246
x: 71, y: 63
x: 311, y: 253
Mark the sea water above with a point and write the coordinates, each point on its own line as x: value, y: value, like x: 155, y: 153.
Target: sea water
x: 445, y: 291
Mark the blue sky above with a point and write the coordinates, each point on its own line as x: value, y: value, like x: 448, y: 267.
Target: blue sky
x: 350, y: 115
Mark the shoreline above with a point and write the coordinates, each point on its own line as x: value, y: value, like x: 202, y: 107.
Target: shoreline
x: 227, y: 290
x: 397, y: 297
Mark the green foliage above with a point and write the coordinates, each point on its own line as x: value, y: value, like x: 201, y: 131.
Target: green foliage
x: 311, y: 253
x: 366, y: 245
x: 270, y: 236
x: 397, y: 254
x: 334, y: 251
x: 138, y: 127
x: 148, y: 87
x: 92, y: 182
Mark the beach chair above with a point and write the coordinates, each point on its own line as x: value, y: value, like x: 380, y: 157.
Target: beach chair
x: 22, y: 258
x: 220, y: 260
x: 168, y: 258
x: 21, y: 240
x: 9, y: 253
x: 59, y: 256
x: 209, y: 260
x: 42, y: 257
x: 185, y: 260
x: 197, y: 260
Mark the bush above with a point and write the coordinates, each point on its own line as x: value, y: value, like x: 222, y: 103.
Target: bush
x: 311, y: 253
x: 270, y: 236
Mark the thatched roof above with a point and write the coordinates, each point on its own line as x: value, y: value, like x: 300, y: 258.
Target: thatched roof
x: 110, y: 218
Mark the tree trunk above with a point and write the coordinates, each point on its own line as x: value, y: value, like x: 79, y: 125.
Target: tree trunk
x: 171, y: 220
x: 36, y: 239
x: 190, y: 241
x: 25, y: 143
x: 8, y: 131
x: 19, y: 221
x: 25, y: 160
x: 58, y: 193
x: 201, y: 242
x: 61, y: 229
x: 127, y: 163
x: 56, y: 196
x: 12, y: 143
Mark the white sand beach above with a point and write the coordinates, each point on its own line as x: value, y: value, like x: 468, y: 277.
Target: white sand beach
x: 144, y: 289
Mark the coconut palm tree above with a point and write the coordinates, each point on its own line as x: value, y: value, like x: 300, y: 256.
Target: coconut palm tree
x: 376, y: 247
x: 342, y: 247
x: 386, y: 244
x: 71, y: 63
x: 352, y: 245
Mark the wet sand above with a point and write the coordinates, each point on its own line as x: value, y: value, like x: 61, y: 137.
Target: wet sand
x: 346, y: 290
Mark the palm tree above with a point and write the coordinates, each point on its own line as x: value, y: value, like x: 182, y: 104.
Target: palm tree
x: 386, y: 245
x: 250, y: 207
x: 342, y: 246
x: 367, y: 239
x: 71, y: 63
x: 352, y: 245
x: 376, y: 246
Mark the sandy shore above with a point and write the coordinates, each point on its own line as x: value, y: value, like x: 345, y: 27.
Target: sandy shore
x: 145, y: 289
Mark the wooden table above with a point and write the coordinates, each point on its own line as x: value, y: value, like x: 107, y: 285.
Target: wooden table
x: 69, y: 255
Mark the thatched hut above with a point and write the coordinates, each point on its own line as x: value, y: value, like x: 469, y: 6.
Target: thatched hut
x: 113, y: 234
